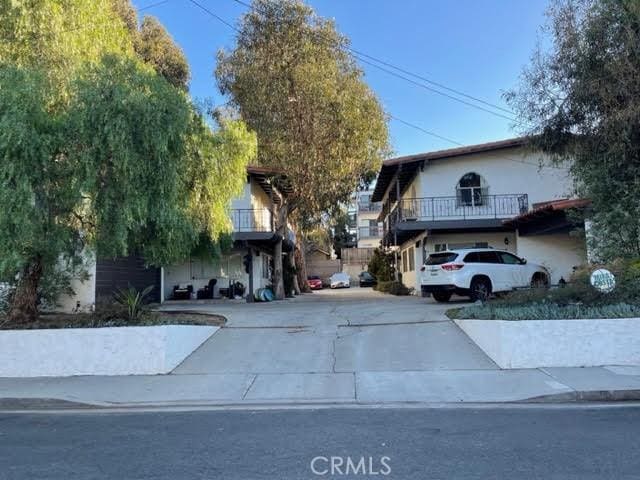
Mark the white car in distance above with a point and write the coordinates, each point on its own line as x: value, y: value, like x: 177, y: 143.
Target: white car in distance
x: 477, y: 273
x: 340, y: 280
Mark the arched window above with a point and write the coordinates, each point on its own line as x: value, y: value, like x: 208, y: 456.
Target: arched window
x: 471, y: 190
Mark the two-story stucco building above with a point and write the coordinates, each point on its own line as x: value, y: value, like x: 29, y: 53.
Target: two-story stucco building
x: 369, y: 228
x: 203, y: 275
x: 499, y: 194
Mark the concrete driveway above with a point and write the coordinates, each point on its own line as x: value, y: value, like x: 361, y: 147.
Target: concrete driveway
x: 335, y: 331
x: 353, y: 345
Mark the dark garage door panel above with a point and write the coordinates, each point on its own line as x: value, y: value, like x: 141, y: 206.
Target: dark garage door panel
x: 112, y: 274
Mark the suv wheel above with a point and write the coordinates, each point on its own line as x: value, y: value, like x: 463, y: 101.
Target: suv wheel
x: 441, y: 297
x: 539, y: 281
x: 480, y: 289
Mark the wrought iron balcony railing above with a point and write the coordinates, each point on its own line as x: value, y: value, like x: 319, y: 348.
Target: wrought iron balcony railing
x: 252, y: 220
x: 458, y: 208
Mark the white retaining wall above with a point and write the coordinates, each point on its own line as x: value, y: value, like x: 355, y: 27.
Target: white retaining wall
x: 98, y: 351
x: 557, y: 343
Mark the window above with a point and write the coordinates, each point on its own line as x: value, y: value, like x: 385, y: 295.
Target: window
x: 440, y: 258
x: 459, y: 246
x: 404, y: 261
x: 412, y: 259
x: 488, y: 257
x: 482, y: 257
x: 471, y: 190
x: 509, y: 258
x: 440, y: 247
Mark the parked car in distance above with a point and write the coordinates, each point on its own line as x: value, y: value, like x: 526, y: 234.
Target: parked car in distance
x: 477, y: 273
x: 366, y: 279
x: 340, y: 280
x: 315, y: 282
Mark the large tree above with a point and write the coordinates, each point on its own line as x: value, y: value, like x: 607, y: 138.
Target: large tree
x: 581, y: 97
x: 318, y: 124
x: 98, y: 150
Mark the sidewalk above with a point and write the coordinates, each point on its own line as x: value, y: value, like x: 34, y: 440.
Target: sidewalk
x: 367, y: 388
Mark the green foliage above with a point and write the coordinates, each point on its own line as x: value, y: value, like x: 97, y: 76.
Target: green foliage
x: 99, y: 151
x: 581, y: 96
x: 341, y: 235
x: 545, y: 311
x: 156, y: 47
x: 393, y: 287
x: 60, y: 38
x: 295, y: 84
x: 578, y: 299
x: 382, y: 264
x: 134, y: 301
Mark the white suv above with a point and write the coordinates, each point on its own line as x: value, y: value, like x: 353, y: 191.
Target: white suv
x: 477, y: 273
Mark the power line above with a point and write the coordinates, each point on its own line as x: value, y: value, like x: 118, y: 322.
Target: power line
x: 428, y: 132
x: 157, y: 4
x: 390, y: 72
x: 358, y: 54
x: 409, y: 124
x: 432, y: 82
x: 217, y: 17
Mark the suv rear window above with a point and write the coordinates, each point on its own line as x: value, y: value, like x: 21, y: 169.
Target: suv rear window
x: 482, y: 257
x: 440, y: 258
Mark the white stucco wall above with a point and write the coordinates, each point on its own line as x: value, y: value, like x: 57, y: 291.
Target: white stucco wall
x: 98, y: 351
x: 559, y: 253
x: 511, y: 171
x: 493, y: 239
x: 557, y: 343
x: 198, y: 272
x: 84, y: 298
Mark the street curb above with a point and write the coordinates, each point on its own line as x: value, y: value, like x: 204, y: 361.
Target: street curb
x: 44, y: 404
x: 587, y: 396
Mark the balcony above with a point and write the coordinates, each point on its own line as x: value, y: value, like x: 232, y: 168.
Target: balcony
x: 368, y: 207
x: 370, y: 232
x: 454, y: 214
x: 252, y: 220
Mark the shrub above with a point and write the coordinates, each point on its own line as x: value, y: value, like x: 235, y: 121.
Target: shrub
x: 381, y: 265
x: 393, y: 287
x: 133, y: 301
x: 580, y: 291
x: 544, y: 311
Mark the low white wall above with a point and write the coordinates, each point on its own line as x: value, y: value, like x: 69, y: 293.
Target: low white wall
x: 98, y: 351
x: 557, y: 343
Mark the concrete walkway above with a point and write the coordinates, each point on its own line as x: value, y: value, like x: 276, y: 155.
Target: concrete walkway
x: 349, y: 346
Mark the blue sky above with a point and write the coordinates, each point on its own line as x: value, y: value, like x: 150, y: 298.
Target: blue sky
x: 476, y: 46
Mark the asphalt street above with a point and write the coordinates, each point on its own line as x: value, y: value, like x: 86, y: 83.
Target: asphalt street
x: 532, y: 442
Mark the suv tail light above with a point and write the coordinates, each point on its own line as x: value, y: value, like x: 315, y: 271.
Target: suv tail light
x: 449, y: 267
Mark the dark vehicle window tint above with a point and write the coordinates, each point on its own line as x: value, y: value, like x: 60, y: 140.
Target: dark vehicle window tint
x: 509, y: 259
x: 472, y: 257
x: 440, y: 258
x: 488, y: 257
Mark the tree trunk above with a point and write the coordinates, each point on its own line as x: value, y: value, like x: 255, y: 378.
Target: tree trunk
x: 292, y: 262
x: 301, y: 265
x: 24, y: 304
x: 281, y: 229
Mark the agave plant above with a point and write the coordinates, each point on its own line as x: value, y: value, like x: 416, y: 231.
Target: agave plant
x: 134, y: 301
